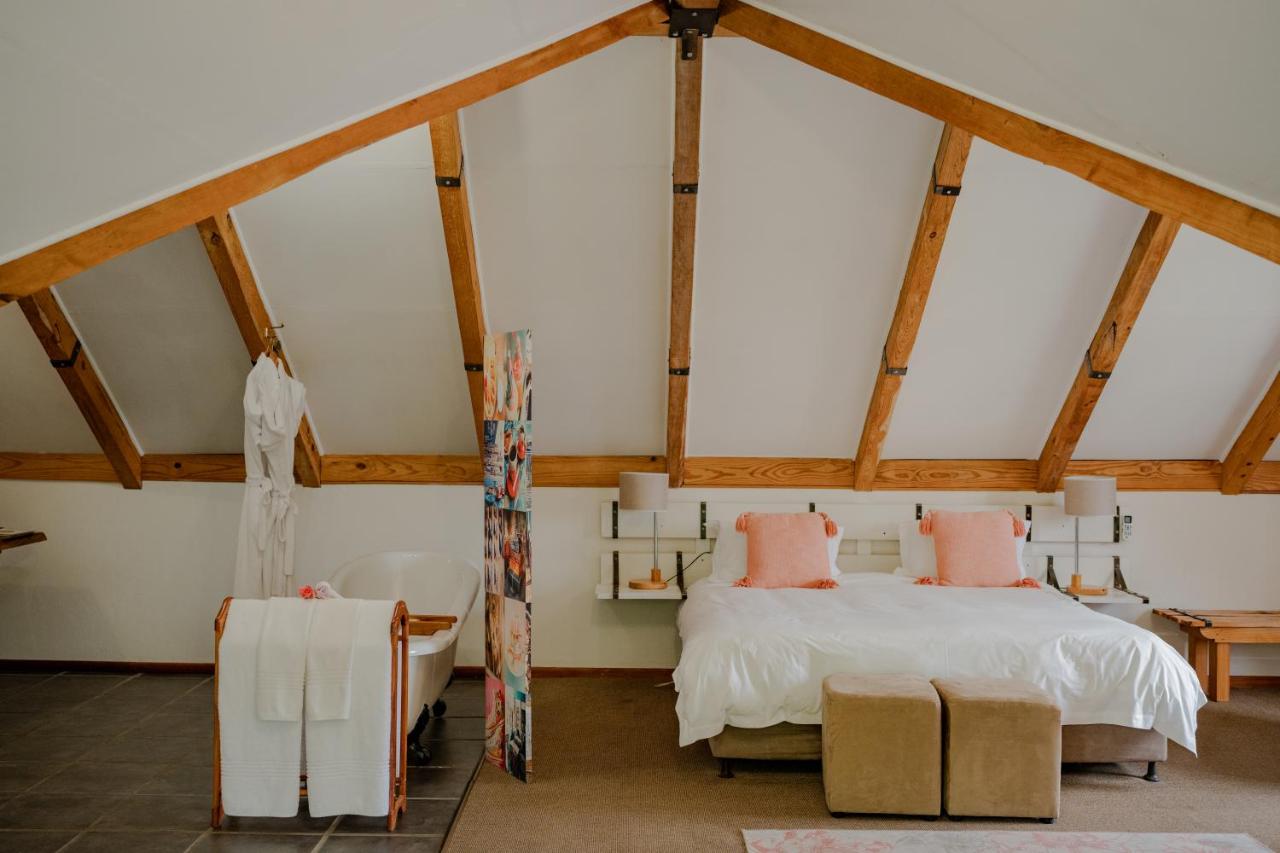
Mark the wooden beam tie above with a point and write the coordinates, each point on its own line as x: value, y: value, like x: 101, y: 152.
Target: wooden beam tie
x: 1259, y: 433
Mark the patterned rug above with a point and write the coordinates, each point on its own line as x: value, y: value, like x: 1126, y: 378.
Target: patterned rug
x: 979, y: 841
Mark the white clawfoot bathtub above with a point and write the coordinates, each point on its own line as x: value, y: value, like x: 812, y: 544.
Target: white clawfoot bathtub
x: 429, y: 584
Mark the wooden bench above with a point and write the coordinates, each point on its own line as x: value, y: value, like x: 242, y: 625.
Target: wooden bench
x: 1210, y: 634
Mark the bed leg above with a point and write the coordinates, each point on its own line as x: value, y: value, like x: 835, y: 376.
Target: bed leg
x: 1151, y: 775
x: 726, y: 768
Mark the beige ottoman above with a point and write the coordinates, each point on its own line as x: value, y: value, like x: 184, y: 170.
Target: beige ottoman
x: 1003, y: 748
x: 881, y: 745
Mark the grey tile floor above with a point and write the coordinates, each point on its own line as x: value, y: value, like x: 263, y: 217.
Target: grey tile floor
x: 93, y: 762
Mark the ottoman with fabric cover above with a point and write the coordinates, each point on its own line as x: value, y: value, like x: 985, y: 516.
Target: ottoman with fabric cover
x: 1003, y: 748
x: 881, y: 745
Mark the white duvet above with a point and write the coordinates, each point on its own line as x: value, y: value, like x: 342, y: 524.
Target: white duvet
x: 756, y: 657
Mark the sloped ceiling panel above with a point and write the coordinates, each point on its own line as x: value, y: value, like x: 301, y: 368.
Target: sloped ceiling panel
x: 114, y: 104
x: 164, y: 342
x: 1030, y: 262
x: 1184, y: 85
x: 351, y: 259
x: 36, y: 412
x: 809, y: 196
x: 1204, y: 349
x: 571, y: 190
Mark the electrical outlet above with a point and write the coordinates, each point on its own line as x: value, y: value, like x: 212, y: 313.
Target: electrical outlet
x: 1126, y: 528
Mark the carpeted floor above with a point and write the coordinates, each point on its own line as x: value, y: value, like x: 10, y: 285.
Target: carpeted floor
x: 608, y: 776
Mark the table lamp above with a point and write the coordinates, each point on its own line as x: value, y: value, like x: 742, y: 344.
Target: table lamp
x: 1084, y: 497
x: 646, y: 493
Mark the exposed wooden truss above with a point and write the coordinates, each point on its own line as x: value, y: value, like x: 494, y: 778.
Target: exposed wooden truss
x: 1245, y: 458
x: 1249, y: 228
x: 1149, y: 251
x: 61, y: 260
x: 995, y: 475
x: 684, y: 214
x: 69, y: 358
x: 939, y: 200
x: 231, y: 266
x: 459, y: 242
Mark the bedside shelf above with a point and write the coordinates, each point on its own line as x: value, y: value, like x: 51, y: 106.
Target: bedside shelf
x: 18, y: 541
x: 604, y: 591
x: 1113, y: 596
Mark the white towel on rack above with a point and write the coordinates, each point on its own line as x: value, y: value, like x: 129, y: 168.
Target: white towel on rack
x: 349, y: 761
x: 282, y: 658
x: 260, y: 759
x: 333, y: 636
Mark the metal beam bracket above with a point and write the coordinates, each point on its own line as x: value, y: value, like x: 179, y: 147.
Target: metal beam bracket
x: 684, y: 189
x: 1094, y: 374
x: 689, y: 25
x: 446, y: 181
x: 944, y: 189
x: 678, y: 371
x: 69, y: 361
x: 890, y: 371
x: 473, y: 368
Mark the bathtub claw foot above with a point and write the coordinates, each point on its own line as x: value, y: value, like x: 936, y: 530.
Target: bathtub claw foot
x: 438, y: 709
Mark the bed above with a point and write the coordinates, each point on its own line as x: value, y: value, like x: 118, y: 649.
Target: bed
x: 751, y: 670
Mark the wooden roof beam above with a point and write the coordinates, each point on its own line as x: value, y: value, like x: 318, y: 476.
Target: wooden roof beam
x: 68, y: 357
x: 684, y: 214
x: 939, y: 200
x: 231, y: 265
x: 1245, y: 458
x: 58, y: 261
x: 1148, y: 254
x: 1251, y: 229
x: 459, y: 241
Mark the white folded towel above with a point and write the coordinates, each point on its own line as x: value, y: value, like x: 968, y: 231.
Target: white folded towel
x: 282, y: 658
x: 333, y: 636
x: 260, y: 760
x: 348, y: 765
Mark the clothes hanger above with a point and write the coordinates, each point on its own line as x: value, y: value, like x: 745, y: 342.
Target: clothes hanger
x: 273, y: 347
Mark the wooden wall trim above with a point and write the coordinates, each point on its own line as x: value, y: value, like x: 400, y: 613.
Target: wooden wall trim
x: 749, y: 472
x: 1155, y: 239
x: 931, y: 231
x: 684, y: 215
x: 459, y: 242
x: 1245, y: 458
x: 49, y: 322
x: 1251, y: 229
x: 124, y: 666
x: 244, y: 298
x: 61, y: 260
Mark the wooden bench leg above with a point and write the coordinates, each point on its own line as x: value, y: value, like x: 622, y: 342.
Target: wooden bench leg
x: 1220, y: 676
x: 1198, y: 657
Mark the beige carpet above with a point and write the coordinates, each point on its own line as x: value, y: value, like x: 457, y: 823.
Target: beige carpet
x: 609, y: 776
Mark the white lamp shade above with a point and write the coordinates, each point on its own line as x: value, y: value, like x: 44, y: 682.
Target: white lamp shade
x: 1085, y: 496
x: 642, y: 491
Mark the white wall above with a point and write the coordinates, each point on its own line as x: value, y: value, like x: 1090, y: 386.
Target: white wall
x: 139, y: 575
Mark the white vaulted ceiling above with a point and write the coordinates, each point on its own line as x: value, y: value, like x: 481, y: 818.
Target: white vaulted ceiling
x: 809, y: 195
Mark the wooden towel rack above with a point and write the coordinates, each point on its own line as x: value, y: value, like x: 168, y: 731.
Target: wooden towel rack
x: 402, y: 625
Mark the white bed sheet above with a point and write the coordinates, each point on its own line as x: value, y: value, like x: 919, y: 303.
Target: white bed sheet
x: 756, y: 657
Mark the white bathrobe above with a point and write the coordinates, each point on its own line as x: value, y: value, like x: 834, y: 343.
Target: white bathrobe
x: 273, y: 407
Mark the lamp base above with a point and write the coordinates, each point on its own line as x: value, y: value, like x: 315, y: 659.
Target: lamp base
x: 655, y: 581
x: 1078, y: 588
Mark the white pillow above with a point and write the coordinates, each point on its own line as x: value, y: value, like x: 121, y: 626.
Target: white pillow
x: 920, y: 560
x: 729, y: 556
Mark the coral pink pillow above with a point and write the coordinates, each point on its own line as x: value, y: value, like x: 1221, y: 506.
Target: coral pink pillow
x: 787, y: 549
x: 975, y: 548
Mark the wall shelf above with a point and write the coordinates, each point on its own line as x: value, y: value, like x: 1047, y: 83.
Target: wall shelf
x: 28, y: 538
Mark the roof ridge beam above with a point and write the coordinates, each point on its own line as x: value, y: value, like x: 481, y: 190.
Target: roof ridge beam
x: 67, y: 355
x: 931, y: 232
x: 1155, y: 239
x: 459, y: 242
x: 240, y: 287
x: 1249, y: 228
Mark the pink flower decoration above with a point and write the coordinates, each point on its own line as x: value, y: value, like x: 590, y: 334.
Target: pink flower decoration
x: 306, y: 592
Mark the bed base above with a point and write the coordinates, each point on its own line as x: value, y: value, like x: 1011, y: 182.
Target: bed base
x: 1091, y: 744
